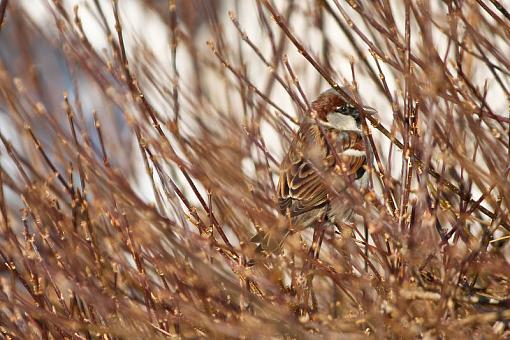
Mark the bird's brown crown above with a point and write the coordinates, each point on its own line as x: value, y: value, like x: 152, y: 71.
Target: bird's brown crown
x: 327, y: 102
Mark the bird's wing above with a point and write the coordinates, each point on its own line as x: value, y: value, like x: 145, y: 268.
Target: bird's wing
x: 301, y: 186
x: 301, y: 189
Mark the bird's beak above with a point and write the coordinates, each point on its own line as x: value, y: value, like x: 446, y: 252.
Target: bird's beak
x: 369, y: 110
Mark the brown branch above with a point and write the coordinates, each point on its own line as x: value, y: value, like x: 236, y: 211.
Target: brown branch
x: 3, y: 9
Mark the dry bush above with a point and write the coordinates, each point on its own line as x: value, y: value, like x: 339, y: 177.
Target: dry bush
x: 136, y: 164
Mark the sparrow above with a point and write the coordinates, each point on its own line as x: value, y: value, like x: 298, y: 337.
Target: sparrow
x: 326, y: 156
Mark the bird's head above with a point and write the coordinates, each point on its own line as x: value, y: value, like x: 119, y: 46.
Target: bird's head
x: 333, y: 110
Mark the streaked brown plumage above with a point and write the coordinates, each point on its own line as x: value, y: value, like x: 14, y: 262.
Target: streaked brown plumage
x: 311, y: 175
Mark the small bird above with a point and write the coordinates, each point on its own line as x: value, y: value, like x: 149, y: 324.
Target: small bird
x: 324, y: 158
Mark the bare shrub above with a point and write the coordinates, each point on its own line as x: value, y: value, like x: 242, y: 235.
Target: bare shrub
x: 137, y: 160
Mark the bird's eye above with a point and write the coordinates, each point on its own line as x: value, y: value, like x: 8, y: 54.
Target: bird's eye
x: 344, y: 109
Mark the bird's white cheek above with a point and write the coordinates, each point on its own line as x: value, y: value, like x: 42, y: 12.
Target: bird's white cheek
x: 342, y: 122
